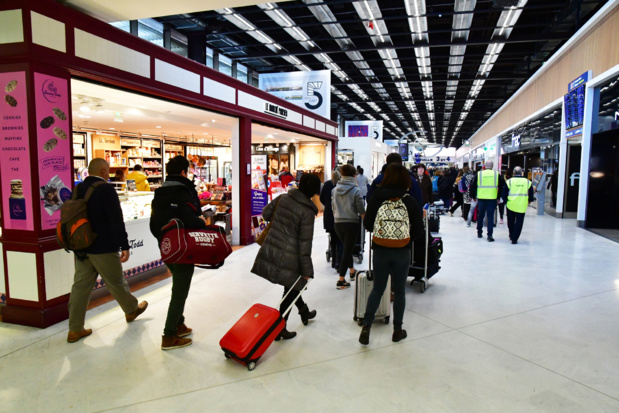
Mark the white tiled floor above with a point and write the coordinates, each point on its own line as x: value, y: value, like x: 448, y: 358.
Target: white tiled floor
x: 530, y: 327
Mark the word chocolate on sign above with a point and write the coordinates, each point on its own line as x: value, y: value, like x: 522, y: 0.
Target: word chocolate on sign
x: 275, y: 110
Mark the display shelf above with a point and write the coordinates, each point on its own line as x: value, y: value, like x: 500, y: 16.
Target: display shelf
x: 79, y: 156
x: 151, y: 167
x: 155, y: 176
x: 151, y: 157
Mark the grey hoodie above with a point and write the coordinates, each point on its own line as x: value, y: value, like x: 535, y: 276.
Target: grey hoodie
x: 346, y: 201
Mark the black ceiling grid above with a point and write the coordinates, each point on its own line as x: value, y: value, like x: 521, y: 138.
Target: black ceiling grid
x: 435, y: 69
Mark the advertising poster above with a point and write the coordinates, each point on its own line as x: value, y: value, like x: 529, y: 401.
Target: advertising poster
x: 309, y: 90
x: 364, y: 129
x: 259, y: 200
x: 53, y: 146
x: 15, y: 153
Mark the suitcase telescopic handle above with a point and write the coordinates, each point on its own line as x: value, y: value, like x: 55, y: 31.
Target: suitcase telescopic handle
x: 299, y: 295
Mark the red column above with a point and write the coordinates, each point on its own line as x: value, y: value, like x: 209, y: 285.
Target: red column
x: 36, y: 176
x: 244, y: 191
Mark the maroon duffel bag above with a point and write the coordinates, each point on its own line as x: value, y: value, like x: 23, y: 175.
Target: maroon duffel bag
x: 205, y: 247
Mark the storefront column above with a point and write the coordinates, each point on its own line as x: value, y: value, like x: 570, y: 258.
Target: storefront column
x: 36, y: 178
x: 244, y: 190
x: 592, y: 101
x: 562, y: 167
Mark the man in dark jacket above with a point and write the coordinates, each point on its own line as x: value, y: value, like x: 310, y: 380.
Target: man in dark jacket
x: 177, y: 198
x: 286, y: 252
x: 102, y: 257
x: 425, y: 184
x: 414, y: 190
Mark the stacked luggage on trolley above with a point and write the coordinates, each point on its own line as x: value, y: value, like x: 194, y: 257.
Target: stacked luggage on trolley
x: 426, y: 254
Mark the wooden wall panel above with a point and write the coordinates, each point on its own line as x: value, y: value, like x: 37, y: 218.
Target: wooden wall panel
x: 597, y: 51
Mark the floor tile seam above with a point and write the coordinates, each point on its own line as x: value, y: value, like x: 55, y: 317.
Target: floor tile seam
x: 431, y: 319
x: 539, y: 365
x: 534, y: 309
x: 408, y: 341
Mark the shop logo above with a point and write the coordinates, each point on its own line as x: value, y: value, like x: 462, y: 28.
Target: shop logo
x: 50, y: 92
x: 573, y: 177
x: 313, y: 95
x: 134, y: 243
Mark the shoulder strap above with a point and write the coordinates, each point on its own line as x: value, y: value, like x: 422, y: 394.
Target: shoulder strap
x: 91, y: 189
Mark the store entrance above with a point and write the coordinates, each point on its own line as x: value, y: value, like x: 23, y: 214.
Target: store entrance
x: 572, y: 181
x: 603, y: 192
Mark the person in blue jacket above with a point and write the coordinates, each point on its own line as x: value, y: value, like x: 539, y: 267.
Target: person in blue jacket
x: 413, y: 191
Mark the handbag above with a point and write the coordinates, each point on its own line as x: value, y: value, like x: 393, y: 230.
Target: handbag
x: 265, y: 231
x: 205, y: 247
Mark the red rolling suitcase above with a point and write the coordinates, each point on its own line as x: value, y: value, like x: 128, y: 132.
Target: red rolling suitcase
x: 252, y: 335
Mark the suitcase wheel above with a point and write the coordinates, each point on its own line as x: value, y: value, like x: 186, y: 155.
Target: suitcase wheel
x: 355, y: 318
x: 328, y: 253
x: 360, y: 322
x: 251, y: 365
x: 386, y: 320
x: 227, y: 355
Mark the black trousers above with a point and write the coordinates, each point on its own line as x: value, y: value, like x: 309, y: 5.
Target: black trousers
x: 465, y: 211
x: 515, y: 220
x: 348, y: 233
x: 459, y: 203
x: 335, y: 246
x: 291, y: 297
x: 501, y: 210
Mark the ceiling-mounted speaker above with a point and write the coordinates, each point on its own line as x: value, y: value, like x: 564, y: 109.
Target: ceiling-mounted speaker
x: 501, y: 4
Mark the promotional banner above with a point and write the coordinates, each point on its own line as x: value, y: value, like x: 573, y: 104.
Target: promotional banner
x: 15, y: 153
x: 364, y: 128
x: 54, y: 150
x: 310, y: 90
x: 259, y: 200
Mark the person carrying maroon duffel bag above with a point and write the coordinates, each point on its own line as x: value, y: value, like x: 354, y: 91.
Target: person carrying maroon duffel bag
x: 177, y: 198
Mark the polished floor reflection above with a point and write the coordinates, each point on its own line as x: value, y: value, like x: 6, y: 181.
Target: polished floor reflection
x: 503, y: 328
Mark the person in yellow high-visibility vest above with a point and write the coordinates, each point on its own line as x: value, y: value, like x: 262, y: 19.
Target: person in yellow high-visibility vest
x: 485, y: 190
x: 517, y: 193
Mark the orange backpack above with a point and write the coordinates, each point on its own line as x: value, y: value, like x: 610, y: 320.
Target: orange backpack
x: 74, y: 232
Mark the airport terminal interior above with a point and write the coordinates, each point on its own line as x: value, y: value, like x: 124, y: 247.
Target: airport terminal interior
x: 259, y: 96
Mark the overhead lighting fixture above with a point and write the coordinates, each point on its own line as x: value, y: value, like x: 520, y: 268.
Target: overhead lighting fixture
x: 159, y: 127
x: 84, y: 107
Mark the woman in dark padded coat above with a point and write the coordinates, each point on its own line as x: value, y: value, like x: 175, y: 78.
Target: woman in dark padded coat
x: 286, y: 252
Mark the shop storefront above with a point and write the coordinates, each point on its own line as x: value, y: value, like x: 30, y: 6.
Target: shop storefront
x: 47, y: 50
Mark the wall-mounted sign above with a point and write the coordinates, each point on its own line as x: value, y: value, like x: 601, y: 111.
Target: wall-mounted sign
x: 270, y: 148
x: 309, y: 89
x: 15, y: 154
x: 516, y: 141
x: 52, y: 101
x: 150, y: 143
x: 364, y: 128
x: 130, y: 142
x: 574, y: 105
x: 275, y: 110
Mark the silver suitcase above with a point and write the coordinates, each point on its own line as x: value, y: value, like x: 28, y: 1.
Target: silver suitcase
x: 363, y: 286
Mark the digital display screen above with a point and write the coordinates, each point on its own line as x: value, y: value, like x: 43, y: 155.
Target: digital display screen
x: 575, y: 107
x: 403, y: 150
x: 355, y: 131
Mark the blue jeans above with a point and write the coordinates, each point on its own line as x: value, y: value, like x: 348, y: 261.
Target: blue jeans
x: 394, y: 261
x: 485, y: 208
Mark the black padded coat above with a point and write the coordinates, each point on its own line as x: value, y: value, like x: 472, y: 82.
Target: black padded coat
x: 287, y: 250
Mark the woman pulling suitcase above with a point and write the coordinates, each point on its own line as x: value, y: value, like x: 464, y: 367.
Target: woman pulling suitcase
x: 389, y: 214
x: 287, y: 250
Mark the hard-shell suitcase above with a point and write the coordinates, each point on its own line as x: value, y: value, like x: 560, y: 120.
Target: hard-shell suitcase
x: 363, y: 286
x: 254, y: 332
x: 425, y: 258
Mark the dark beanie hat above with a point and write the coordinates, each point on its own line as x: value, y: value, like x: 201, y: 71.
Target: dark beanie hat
x: 309, y: 185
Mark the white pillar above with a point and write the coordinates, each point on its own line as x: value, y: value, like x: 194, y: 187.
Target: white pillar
x: 591, y: 97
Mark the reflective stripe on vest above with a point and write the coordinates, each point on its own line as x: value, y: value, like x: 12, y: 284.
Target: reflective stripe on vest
x: 518, y: 196
x: 487, y: 188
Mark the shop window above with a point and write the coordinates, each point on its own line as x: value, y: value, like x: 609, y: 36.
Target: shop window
x: 209, y: 57
x: 151, y: 30
x: 124, y: 25
x: 225, y: 65
x: 241, y: 73
x: 179, y: 47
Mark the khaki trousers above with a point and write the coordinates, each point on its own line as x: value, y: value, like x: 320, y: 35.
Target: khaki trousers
x: 86, y: 270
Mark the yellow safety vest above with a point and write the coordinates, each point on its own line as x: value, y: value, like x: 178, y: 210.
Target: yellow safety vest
x: 518, y: 197
x: 487, y: 184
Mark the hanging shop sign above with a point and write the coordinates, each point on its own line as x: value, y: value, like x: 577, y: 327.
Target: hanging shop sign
x: 130, y: 142
x: 15, y: 154
x: 310, y: 90
x: 364, y: 129
x: 53, y: 147
x: 270, y: 148
x: 574, y: 105
x: 149, y: 143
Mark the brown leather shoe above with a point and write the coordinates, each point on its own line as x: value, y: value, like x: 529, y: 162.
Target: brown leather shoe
x: 183, y: 331
x: 172, y: 342
x: 75, y: 336
x: 141, y: 308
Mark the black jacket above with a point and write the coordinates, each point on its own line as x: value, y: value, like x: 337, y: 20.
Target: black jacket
x: 105, y: 216
x: 328, y: 221
x: 414, y: 190
x: 176, y: 198
x: 445, y: 184
x: 414, y: 210
x: 287, y: 250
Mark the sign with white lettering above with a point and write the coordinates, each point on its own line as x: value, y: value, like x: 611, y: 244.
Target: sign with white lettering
x: 309, y: 89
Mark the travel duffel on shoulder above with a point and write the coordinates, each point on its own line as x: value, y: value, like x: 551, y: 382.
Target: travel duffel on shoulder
x: 205, y: 247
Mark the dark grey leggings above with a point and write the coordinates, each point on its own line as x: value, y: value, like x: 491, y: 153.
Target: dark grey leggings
x: 394, y: 261
x: 347, y: 233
